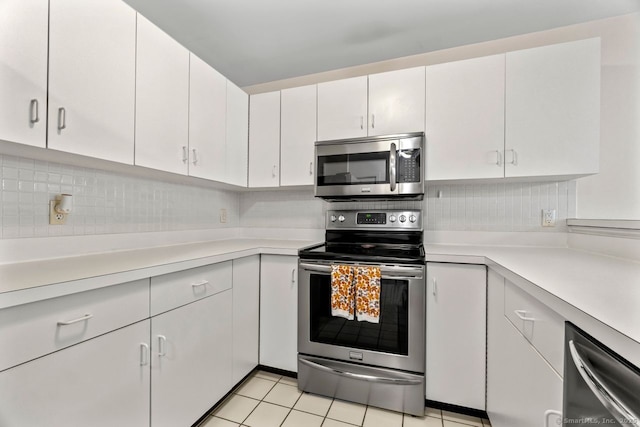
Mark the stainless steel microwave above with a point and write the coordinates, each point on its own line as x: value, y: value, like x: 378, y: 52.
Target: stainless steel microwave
x: 377, y: 167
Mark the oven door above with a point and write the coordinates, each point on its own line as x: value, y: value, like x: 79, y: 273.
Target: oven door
x: 397, y: 341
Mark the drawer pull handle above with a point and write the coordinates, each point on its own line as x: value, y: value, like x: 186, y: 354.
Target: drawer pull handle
x: 79, y: 319
x: 161, y: 341
x: 548, y: 415
x: 293, y: 276
x: 144, y: 354
x: 201, y: 283
x: 435, y: 286
x: 522, y: 314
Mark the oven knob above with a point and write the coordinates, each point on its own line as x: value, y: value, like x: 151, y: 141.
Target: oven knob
x: 403, y: 218
x: 392, y: 218
x: 412, y: 218
x: 341, y: 218
x: 333, y: 218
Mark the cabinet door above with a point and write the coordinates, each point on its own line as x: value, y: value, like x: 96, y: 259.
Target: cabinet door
x: 279, y: 312
x: 465, y: 119
x: 246, y: 308
x: 396, y: 101
x: 237, y: 146
x: 264, y: 140
x: 23, y: 71
x: 92, y: 72
x: 342, y: 109
x: 191, y: 364
x: 521, y: 385
x: 162, y: 100
x: 207, y: 121
x: 553, y: 110
x: 298, y: 133
x: 100, y: 382
x: 456, y: 334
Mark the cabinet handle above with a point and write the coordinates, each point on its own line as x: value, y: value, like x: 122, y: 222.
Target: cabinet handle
x: 273, y: 171
x: 373, y: 121
x: 514, y: 157
x: 310, y: 168
x: 34, y: 111
x: 522, y: 314
x: 62, y: 118
x: 78, y: 320
x: 548, y: 413
x: 200, y: 283
x: 144, y: 354
x: 498, y: 158
x: 361, y: 122
x: 195, y: 157
x: 161, y: 343
x: 435, y: 286
x: 185, y: 154
x: 293, y: 276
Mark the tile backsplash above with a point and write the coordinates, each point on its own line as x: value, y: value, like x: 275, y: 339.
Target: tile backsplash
x: 107, y: 202
x: 103, y: 202
x: 496, y: 206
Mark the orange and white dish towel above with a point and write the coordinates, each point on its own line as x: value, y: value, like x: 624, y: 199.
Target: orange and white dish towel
x: 368, y: 294
x: 355, y: 292
x: 342, y: 292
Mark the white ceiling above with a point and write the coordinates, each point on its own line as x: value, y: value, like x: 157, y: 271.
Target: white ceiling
x: 258, y: 41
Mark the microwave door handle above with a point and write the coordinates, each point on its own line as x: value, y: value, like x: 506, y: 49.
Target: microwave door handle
x: 392, y: 166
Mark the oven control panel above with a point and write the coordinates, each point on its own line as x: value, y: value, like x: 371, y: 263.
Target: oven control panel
x: 392, y: 219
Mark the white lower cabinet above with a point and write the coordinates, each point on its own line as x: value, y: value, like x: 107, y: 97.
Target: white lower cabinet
x: 101, y: 382
x: 191, y: 366
x: 521, y: 385
x: 279, y: 312
x: 456, y: 333
x: 246, y: 319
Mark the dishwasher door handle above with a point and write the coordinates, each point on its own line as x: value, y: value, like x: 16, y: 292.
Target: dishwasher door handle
x: 599, y: 388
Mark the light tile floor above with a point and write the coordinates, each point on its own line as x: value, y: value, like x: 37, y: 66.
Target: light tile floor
x: 269, y: 400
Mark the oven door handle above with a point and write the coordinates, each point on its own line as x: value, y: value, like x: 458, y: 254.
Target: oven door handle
x: 363, y: 377
x: 387, y: 272
x: 604, y: 394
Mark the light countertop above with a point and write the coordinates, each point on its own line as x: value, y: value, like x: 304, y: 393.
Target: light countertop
x: 30, y: 281
x: 605, y: 288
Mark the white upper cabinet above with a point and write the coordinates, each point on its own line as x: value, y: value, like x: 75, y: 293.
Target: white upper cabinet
x: 553, y: 110
x: 237, y: 148
x: 264, y: 140
x: 396, y: 101
x: 207, y: 121
x: 465, y: 119
x: 92, y: 76
x: 23, y: 71
x: 342, y: 109
x: 162, y: 101
x: 298, y: 134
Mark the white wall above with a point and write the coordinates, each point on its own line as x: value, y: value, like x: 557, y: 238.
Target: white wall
x: 615, y: 191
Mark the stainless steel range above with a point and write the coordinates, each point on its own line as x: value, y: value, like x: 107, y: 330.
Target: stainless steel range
x: 380, y: 364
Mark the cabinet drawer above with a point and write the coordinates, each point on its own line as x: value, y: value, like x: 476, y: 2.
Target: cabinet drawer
x: 175, y: 289
x: 540, y: 325
x: 35, y: 329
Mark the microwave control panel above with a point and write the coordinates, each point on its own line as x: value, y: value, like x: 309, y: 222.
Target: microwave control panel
x: 408, y: 164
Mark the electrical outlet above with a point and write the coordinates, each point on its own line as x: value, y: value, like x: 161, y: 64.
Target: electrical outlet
x: 56, y: 218
x: 223, y: 215
x: 548, y: 217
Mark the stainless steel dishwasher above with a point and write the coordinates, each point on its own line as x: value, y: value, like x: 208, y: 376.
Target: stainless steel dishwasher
x: 600, y: 387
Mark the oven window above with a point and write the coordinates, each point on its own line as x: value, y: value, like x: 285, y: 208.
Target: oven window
x: 354, y: 169
x: 391, y: 335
